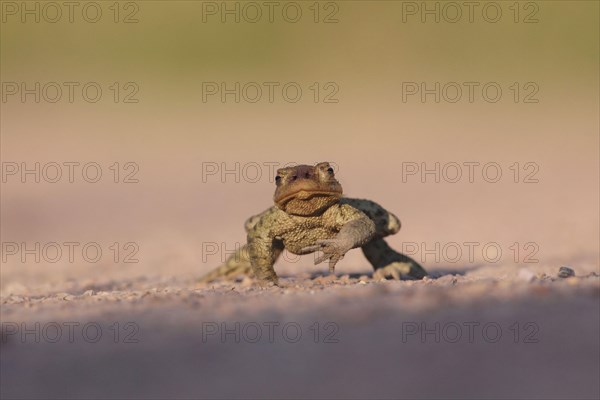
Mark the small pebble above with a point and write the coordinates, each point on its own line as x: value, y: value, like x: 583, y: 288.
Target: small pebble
x: 44, y: 300
x: 326, y: 279
x: 17, y: 299
x: 565, y: 272
x: 446, y: 280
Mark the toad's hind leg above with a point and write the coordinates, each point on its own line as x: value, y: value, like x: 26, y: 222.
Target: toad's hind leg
x: 237, y: 264
x: 389, y: 263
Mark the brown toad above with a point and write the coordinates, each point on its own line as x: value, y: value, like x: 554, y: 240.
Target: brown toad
x: 311, y: 215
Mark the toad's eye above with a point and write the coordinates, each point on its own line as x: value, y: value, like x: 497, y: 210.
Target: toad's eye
x: 277, y: 180
x: 330, y: 170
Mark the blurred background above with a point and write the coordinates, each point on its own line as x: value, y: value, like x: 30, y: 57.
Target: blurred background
x: 138, y: 136
x: 192, y: 163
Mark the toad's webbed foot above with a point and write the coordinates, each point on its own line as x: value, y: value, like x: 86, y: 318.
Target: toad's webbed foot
x: 353, y: 234
x: 332, y: 249
x: 388, y: 263
x: 400, y: 270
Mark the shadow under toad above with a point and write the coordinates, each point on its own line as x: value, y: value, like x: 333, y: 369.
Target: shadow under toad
x: 432, y: 273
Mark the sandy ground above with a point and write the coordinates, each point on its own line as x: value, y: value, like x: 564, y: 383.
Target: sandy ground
x: 487, y: 332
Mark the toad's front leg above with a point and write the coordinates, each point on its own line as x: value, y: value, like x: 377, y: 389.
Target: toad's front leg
x: 353, y: 234
x: 263, y: 252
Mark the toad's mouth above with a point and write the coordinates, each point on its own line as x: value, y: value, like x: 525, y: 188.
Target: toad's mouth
x: 305, y: 194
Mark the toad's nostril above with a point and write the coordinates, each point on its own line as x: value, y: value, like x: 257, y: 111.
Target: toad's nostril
x: 307, y: 175
x: 294, y: 177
